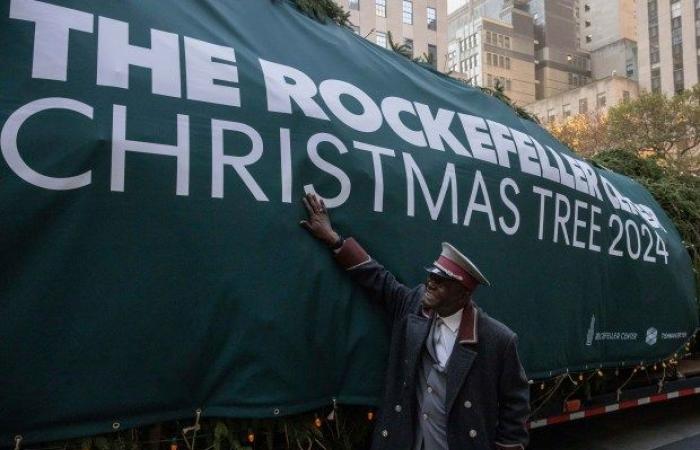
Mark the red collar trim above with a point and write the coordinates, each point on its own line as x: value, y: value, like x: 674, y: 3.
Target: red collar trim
x: 468, y: 332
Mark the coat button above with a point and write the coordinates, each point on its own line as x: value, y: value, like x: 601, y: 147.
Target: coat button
x: 397, y: 408
x: 472, y: 434
x: 467, y: 404
x: 425, y: 416
x: 385, y: 433
x: 430, y: 389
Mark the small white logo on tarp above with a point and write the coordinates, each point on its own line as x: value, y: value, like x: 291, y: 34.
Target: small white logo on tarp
x: 652, y: 334
x: 591, y: 332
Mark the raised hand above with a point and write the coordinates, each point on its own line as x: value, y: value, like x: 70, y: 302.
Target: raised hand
x: 318, y: 223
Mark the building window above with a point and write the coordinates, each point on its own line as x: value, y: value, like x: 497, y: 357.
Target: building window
x: 489, y: 80
x: 432, y: 53
x: 550, y: 115
x: 501, y: 61
x: 354, y: 4
x: 488, y: 58
x: 587, y: 23
x: 625, y: 96
x: 677, y: 46
x: 409, y: 45
x: 678, y: 81
x: 499, y: 40
x: 508, y: 84
x: 463, y: 66
x: 656, y: 80
x: 380, y: 8
x: 432, y: 18
x: 566, y: 110
x: 600, y: 100
x: 381, y: 38
x: 586, y: 7
x: 408, y: 12
x: 506, y: 42
x: 582, y: 105
x: 675, y: 8
x: 653, y: 13
x: 508, y: 62
x: 488, y: 37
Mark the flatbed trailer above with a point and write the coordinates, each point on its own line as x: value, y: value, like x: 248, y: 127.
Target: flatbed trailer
x: 686, y: 383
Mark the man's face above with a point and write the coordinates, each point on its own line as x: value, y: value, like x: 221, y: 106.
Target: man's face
x: 444, y: 295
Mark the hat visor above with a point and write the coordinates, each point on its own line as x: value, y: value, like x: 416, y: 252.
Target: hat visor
x: 437, y: 271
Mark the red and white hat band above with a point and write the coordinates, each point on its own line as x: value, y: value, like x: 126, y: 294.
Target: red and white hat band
x: 456, y: 271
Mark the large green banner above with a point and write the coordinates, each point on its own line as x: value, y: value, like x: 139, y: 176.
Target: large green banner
x: 151, y: 262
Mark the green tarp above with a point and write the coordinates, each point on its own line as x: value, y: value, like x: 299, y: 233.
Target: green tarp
x: 151, y: 262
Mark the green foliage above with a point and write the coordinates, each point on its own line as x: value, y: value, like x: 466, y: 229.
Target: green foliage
x: 323, y: 10
x: 402, y: 49
x: 669, y: 127
x: 677, y: 193
x: 349, y: 429
x: 498, y: 92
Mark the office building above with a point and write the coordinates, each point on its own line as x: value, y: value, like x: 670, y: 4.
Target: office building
x: 420, y: 24
x: 668, y: 44
x: 491, y: 42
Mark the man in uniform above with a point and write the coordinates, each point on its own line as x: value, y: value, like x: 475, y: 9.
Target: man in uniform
x: 454, y: 380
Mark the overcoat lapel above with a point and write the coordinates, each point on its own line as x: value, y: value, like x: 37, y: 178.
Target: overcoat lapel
x: 462, y: 356
x: 416, y: 333
x: 458, y: 368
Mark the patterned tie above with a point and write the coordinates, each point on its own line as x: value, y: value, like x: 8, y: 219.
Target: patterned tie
x: 440, y: 347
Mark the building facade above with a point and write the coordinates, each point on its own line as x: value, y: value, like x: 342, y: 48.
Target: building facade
x: 608, y: 30
x: 668, y: 44
x: 491, y: 42
x: 560, y: 63
x: 420, y: 24
x: 594, y: 98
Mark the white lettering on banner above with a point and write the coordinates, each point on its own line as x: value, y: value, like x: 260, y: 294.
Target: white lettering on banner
x: 437, y: 129
x: 10, y: 150
x: 512, y: 229
x: 502, y: 141
x: 561, y: 219
x: 449, y: 181
x: 548, y: 171
x: 377, y: 153
x: 281, y: 92
x: 526, y: 153
x: 211, y: 75
x: 121, y: 145
x: 239, y: 163
x: 368, y: 121
x: 342, y: 177
x: 52, y: 26
x: 286, y: 164
x: 544, y: 194
x: 392, y: 107
x: 579, y: 176
x: 578, y: 223
x: 479, y: 187
x: 115, y: 56
x: 478, y: 137
x: 565, y: 177
x: 203, y: 73
x: 595, y: 228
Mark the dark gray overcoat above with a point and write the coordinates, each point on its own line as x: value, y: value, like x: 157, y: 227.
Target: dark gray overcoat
x: 487, y: 391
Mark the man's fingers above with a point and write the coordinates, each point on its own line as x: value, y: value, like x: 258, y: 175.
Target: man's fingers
x: 308, y: 206
x: 315, y: 203
x: 323, y: 206
x: 305, y: 224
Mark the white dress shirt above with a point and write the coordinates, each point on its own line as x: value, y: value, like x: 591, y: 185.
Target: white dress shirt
x: 446, y: 330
